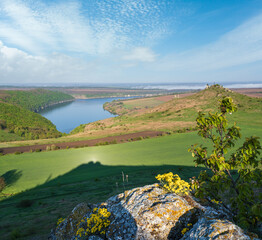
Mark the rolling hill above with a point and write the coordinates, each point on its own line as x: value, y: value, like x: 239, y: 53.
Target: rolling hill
x: 18, y: 119
x: 175, y: 115
x: 24, y: 123
x: 35, y: 99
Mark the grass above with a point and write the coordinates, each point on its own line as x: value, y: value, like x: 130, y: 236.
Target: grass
x: 69, y: 138
x: 56, y: 181
x: 52, y: 183
x: 49, y: 184
x: 176, y: 114
x: 141, y: 103
x: 37, y: 168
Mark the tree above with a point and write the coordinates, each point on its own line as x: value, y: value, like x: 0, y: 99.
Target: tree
x: 232, y: 179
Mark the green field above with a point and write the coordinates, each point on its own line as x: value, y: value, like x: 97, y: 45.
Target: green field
x: 54, y: 182
x: 42, y: 187
x: 59, y: 180
x: 36, y: 168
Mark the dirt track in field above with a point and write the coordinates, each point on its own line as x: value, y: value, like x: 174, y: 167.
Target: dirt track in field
x: 89, y: 143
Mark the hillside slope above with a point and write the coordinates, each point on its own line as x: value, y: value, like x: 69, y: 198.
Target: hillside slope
x: 178, y: 114
x: 33, y: 100
x: 24, y: 123
x: 18, y: 120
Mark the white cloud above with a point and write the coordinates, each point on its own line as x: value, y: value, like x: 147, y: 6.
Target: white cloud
x: 20, y: 67
x: 95, y: 27
x: 141, y: 54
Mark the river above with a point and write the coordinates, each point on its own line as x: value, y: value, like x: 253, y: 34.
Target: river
x: 67, y: 116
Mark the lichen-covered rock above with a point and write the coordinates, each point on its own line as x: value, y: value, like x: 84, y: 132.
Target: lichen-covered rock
x: 145, y: 213
x: 67, y: 229
x: 207, y: 229
x: 94, y: 237
x: 150, y: 212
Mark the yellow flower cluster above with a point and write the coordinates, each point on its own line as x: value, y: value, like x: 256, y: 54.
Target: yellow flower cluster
x: 96, y: 223
x: 184, y: 231
x: 80, y: 232
x: 60, y: 220
x: 215, y: 201
x: 173, y: 183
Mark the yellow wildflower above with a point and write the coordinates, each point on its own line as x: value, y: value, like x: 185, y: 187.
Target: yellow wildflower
x: 184, y: 231
x: 96, y: 223
x: 215, y: 201
x: 60, y: 220
x: 173, y: 183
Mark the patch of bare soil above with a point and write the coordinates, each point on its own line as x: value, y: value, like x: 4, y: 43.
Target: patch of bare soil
x: 92, y: 142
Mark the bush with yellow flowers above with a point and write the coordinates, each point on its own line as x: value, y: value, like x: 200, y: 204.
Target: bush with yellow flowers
x: 97, y: 223
x: 173, y: 183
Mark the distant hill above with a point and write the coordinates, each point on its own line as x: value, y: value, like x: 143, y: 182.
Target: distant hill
x: 176, y: 115
x: 34, y: 100
x: 18, y: 119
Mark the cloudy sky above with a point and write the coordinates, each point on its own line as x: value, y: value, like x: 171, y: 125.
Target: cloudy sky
x: 130, y: 41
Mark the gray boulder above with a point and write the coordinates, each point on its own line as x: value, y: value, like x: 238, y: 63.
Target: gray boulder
x: 150, y: 212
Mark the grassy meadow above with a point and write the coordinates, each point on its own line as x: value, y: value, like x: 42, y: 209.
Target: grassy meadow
x: 50, y: 184
x: 54, y: 182
x: 44, y: 186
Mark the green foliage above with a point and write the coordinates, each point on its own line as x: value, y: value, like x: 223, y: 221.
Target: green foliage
x: 34, y: 100
x: 15, y: 117
x: 26, y: 124
x: 6, y: 136
x: 245, y: 204
x: 78, y: 129
x: 2, y: 124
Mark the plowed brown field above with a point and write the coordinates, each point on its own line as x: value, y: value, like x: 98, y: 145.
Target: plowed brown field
x: 92, y: 142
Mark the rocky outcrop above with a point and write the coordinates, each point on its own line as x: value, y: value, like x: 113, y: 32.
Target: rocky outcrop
x: 151, y: 213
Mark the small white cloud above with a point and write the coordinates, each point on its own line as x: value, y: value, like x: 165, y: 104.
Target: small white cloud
x: 141, y: 54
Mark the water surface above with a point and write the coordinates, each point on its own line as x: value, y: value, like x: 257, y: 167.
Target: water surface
x: 68, y: 116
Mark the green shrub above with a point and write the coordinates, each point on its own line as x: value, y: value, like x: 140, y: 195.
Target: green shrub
x: 244, y: 204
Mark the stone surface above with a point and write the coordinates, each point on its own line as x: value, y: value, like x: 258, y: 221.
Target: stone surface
x: 150, y: 212
x: 215, y: 229
x: 67, y: 229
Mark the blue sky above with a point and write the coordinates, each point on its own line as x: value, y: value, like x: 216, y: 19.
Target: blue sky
x: 128, y: 41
